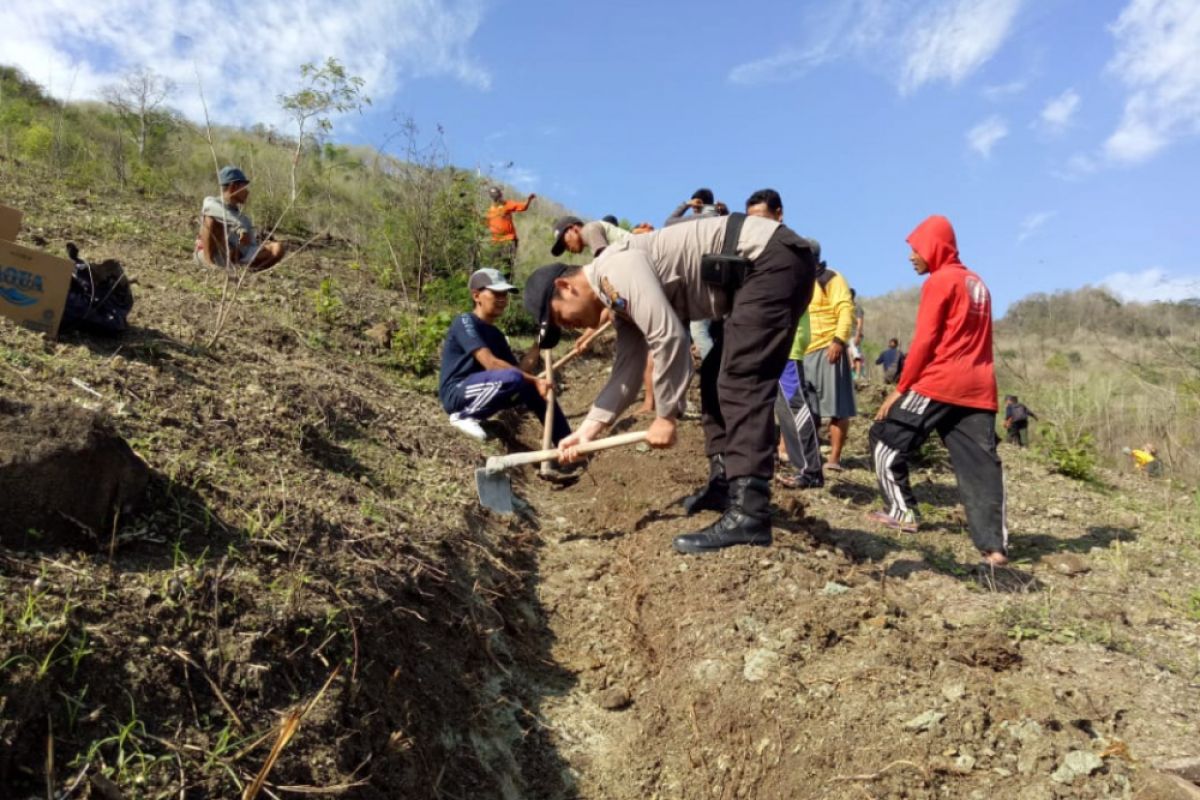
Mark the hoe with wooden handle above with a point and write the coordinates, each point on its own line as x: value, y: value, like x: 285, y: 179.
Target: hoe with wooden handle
x: 494, y: 487
x: 569, y: 356
x: 549, y: 426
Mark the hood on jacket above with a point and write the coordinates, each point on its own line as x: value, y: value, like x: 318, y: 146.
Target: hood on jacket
x: 935, y: 242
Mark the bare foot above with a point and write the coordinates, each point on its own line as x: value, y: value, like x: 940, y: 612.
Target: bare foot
x: 995, y: 559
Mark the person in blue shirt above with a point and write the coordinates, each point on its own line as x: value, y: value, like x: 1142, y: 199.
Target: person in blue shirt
x: 892, y: 361
x: 480, y: 376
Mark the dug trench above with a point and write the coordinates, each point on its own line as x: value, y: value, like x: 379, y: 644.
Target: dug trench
x: 848, y: 662
x: 437, y: 650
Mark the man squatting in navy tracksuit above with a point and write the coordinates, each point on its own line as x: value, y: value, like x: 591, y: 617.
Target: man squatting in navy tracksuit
x: 480, y: 375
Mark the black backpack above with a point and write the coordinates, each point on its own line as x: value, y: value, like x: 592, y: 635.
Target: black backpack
x: 1018, y: 413
x: 100, y: 297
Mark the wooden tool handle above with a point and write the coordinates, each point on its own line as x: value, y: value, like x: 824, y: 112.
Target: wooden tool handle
x: 548, y: 430
x: 574, y: 352
x: 496, y: 463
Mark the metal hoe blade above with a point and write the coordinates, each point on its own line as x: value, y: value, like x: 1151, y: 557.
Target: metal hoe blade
x: 495, y: 490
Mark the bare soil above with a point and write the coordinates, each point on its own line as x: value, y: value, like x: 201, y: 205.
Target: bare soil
x: 310, y: 545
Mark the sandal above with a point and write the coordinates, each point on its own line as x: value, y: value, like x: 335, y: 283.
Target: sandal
x: 908, y: 525
x: 797, y: 480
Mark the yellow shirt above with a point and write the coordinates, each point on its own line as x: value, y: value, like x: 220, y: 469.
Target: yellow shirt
x: 831, y: 313
x: 1141, y: 458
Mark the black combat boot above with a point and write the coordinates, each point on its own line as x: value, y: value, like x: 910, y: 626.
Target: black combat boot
x: 714, y: 495
x: 748, y: 520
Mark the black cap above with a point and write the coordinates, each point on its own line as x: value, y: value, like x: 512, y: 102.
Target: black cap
x: 560, y: 229
x: 539, y: 290
x: 611, y: 219
x: 704, y: 195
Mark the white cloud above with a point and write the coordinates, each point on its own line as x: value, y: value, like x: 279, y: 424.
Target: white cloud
x: 1058, y: 112
x: 523, y: 178
x: 1077, y: 166
x: 783, y: 66
x: 915, y: 42
x: 1002, y: 91
x: 241, y: 57
x: 1032, y: 223
x: 1154, y: 284
x: 1158, y: 58
x: 984, y: 136
x: 952, y: 40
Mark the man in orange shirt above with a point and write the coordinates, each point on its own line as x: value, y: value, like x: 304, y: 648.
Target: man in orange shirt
x: 500, y: 223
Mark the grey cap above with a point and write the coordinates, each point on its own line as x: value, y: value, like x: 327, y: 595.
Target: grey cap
x: 489, y: 278
x: 231, y: 174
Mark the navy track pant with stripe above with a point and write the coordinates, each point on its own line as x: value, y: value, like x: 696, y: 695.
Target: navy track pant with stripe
x: 794, y: 407
x: 482, y: 394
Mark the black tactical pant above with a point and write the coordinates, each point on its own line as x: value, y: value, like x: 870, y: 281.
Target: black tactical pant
x: 739, y: 378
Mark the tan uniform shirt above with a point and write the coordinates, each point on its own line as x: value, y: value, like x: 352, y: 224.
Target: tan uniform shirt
x: 652, y: 284
x: 599, y: 234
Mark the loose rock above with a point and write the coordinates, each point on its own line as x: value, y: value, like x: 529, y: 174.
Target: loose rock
x: 1077, y: 763
x: 923, y: 722
x: 760, y: 664
x: 614, y: 698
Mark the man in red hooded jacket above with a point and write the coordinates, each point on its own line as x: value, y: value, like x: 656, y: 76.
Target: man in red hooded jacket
x: 948, y: 385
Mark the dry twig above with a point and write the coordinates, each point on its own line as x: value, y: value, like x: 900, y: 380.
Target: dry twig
x: 286, y: 731
x: 213, y: 684
x: 871, y: 776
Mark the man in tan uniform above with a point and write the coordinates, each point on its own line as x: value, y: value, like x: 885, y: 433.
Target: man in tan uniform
x: 652, y: 285
x: 573, y: 235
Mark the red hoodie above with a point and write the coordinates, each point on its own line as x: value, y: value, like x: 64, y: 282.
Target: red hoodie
x: 950, y: 358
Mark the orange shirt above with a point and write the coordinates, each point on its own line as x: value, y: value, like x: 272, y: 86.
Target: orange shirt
x: 499, y: 219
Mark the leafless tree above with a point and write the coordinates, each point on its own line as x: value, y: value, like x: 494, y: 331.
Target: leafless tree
x: 137, y: 99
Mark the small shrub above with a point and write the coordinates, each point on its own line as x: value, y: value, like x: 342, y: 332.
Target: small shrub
x: 418, y: 341
x: 1073, y: 455
x: 1058, y: 362
x: 36, y: 141
x: 327, y: 301
x: 517, y: 321
x: 450, y: 294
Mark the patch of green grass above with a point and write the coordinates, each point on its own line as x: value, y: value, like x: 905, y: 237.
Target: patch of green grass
x: 943, y: 560
x: 1037, y: 622
x: 189, y: 282
x: 1193, y: 605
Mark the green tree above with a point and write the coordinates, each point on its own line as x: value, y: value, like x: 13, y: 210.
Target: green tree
x: 328, y: 89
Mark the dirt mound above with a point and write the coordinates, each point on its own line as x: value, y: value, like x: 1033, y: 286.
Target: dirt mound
x: 65, y: 475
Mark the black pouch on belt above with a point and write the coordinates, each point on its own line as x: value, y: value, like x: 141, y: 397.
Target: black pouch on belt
x: 727, y: 269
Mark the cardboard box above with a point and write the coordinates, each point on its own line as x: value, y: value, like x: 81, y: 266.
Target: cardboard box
x: 33, y: 287
x: 10, y: 223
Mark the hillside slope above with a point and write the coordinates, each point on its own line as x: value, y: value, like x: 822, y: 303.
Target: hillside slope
x: 311, y: 541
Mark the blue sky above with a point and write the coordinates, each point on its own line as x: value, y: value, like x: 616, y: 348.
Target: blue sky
x: 1061, y: 137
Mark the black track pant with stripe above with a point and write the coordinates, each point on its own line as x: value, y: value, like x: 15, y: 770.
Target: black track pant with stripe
x: 970, y: 436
